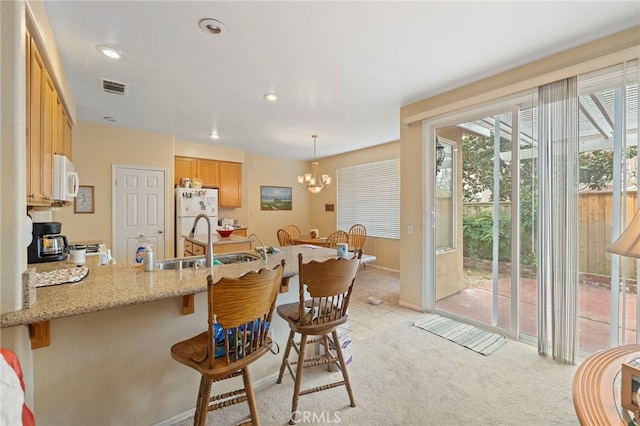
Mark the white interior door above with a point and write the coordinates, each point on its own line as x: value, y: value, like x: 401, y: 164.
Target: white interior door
x: 138, y: 208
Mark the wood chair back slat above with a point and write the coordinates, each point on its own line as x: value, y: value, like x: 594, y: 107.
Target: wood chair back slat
x: 243, y: 307
x: 284, y: 238
x: 357, y: 236
x: 292, y: 230
x: 336, y: 237
x: 329, y: 283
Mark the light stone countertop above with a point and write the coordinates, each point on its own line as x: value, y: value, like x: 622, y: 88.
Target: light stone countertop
x: 112, y: 286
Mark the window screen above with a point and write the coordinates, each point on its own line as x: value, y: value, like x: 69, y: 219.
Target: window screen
x: 370, y: 194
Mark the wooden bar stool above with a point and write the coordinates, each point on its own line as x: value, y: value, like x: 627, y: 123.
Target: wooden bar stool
x: 330, y: 284
x: 239, y: 315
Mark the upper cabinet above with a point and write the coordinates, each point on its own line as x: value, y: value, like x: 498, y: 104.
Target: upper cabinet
x: 225, y: 175
x: 35, y: 112
x: 209, y: 172
x: 48, y: 128
x: 230, y: 184
x: 184, y: 167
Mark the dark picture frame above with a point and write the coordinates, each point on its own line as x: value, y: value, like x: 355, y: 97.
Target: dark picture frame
x: 85, y: 200
x: 275, y: 198
x: 630, y: 386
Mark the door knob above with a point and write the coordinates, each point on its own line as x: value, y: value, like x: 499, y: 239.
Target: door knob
x: 159, y: 231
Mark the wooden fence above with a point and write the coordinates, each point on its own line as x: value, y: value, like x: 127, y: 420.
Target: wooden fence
x: 594, y: 229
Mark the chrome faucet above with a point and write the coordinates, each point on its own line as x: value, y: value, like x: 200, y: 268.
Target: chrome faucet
x: 209, y: 254
x: 264, y: 249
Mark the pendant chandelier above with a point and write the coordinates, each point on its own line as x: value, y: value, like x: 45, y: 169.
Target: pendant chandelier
x: 310, y: 180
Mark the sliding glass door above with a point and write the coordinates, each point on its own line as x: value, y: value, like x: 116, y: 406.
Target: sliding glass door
x: 485, y: 214
x: 474, y: 279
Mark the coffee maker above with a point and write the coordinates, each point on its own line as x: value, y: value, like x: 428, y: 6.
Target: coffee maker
x: 47, y: 244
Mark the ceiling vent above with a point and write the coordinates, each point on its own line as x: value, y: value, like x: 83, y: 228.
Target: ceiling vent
x: 110, y: 86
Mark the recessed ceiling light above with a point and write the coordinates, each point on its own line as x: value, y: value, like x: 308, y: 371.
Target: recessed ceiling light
x: 271, y: 97
x: 212, y: 26
x: 110, y: 52
x: 214, y: 135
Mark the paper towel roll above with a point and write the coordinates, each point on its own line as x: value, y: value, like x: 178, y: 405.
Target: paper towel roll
x: 29, y: 230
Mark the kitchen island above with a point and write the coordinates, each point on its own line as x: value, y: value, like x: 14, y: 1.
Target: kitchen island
x: 112, y: 286
x: 197, y: 246
x: 109, y: 361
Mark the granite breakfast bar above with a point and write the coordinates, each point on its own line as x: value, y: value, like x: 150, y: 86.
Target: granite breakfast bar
x: 112, y: 286
x: 111, y: 332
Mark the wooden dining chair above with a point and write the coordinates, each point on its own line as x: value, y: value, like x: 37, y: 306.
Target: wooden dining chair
x: 357, y: 235
x: 284, y: 239
x: 292, y: 230
x: 336, y: 237
x: 239, y: 315
x: 329, y: 284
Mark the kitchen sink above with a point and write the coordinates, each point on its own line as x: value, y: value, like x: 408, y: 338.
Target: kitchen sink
x: 228, y: 258
x: 197, y: 261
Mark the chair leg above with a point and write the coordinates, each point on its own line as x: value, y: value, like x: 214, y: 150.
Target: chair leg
x: 296, y: 388
x: 343, y: 366
x: 251, y: 398
x: 327, y: 354
x: 202, y: 403
x: 286, y: 356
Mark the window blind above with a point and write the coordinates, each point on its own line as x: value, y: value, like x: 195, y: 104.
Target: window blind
x: 369, y: 194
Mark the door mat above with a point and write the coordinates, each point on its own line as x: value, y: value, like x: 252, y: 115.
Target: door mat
x: 465, y: 335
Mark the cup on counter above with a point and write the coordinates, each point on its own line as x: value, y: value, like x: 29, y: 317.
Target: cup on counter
x: 77, y: 254
x: 313, y: 233
x: 342, y: 249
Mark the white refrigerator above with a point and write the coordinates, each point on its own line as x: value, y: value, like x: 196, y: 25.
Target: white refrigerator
x: 190, y: 202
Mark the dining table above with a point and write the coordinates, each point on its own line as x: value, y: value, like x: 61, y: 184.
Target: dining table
x: 307, y: 239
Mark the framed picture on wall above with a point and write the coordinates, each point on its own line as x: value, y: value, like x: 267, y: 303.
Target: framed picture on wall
x: 275, y: 198
x: 629, y: 393
x: 84, y: 202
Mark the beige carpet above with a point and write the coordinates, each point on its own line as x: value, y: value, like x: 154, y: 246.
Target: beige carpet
x: 402, y: 375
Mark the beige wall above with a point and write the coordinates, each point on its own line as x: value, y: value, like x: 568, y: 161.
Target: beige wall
x: 450, y: 263
x: 96, y: 148
x: 414, y: 277
x: 268, y: 171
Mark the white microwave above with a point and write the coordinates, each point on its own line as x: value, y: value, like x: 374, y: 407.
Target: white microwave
x: 65, y: 179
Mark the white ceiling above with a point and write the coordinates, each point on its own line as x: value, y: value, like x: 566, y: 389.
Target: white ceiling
x: 342, y: 70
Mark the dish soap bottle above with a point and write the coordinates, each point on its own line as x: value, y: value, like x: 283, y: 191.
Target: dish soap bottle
x: 142, y: 244
x: 148, y: 262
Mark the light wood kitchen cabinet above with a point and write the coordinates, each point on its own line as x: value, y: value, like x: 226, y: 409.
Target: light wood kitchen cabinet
x: 48, y: 128
x: 230, y: 184
x: 48, y: 137
x: 183, y: 167
x: 63, y: 131
x: 208, y: 171
x: 35, y: 79
x: 225, y: 175
x: 67, y: 136
x: 193, y: 248
x: 240, y: 232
